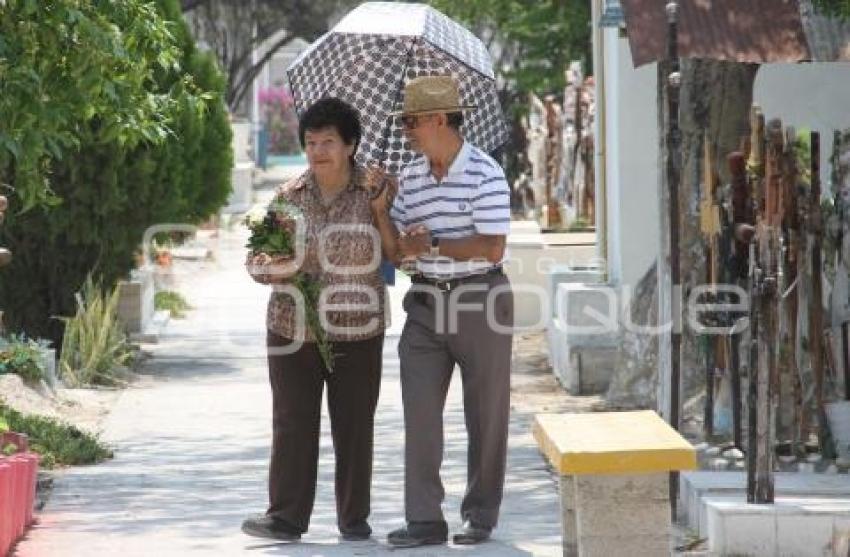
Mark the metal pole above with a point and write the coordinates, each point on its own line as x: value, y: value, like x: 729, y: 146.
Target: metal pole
x: 845, y: 351
x: 5, y: 254
x: 673, y: 165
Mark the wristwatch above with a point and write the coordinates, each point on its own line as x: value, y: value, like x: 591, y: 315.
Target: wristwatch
x: 435, y: 247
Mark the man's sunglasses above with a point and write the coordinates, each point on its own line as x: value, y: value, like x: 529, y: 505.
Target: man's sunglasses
x: 410, y: 122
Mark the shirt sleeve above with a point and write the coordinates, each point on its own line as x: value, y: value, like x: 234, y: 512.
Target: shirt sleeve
x: 491, y: 205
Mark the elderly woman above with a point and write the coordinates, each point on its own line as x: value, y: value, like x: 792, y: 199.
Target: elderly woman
x: 342, y: 255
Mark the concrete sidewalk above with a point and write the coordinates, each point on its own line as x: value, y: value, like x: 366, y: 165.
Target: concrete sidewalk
x: 192, y: 439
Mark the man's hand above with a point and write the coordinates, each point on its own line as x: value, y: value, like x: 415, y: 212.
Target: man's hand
x: 415, y: 241
x: 266, y: 269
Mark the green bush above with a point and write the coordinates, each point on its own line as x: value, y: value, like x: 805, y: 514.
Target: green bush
x: 73, y: 73
x: 21, y: 356
x: 94, y: 348
x: 112, y: 190
x: 57, y: 442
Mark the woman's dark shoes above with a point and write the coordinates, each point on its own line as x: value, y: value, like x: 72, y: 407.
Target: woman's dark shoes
x: 419, y: 533
x: 270, y: 527
x: 471, y: 533
x: 358, y: 531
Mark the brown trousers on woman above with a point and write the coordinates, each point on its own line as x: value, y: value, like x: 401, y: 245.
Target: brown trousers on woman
x: 297, y: 382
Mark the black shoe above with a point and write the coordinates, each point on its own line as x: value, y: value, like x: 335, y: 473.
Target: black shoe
x: 419, y: 533
x: 271, y: 527
x: 358, y: 531
x: 471, y: 533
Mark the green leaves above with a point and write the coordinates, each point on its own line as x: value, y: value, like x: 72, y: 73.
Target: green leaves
x: 66, y: 63
x: 269, y: 237
x: 311, y: 289
x: 98, y: 125
x: 839, y: 8
x: 94, y: 347
x: 531, y: 41
x: 22, y: 357
x: 57, y: 442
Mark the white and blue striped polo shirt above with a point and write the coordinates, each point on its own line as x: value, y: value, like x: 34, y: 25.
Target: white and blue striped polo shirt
x: 473, y: 198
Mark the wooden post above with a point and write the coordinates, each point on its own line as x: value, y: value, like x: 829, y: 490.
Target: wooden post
x: 816, y: 304
x: 752, y: 384
x: 766, y: 377
x: 554, y: 152
x: 768, y: 237
x: 776, y: 193
x: 735, y: 373
x: 741, y: 214
x: 710, y: 229
x: 789, y: 286
x: 841, y: 190
x: 758, y: 430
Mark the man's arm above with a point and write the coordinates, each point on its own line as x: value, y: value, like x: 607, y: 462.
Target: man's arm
x: 489, y: 247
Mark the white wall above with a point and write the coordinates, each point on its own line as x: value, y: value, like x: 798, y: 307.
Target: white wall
x: 812, y: 96
x: 631, y: 162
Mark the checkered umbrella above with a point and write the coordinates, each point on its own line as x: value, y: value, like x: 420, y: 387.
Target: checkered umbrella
x: 368, y: 57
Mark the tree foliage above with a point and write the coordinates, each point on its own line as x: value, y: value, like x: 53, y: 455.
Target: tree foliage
x: 531, y: 41
x: 232, y: 29
x: 839, y: 8
x: 118, y: 170
x: 71, y: 72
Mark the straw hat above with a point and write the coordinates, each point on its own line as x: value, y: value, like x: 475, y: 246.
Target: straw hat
x: 431, y: 94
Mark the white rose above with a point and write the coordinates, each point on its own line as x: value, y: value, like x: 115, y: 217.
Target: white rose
x: 255, y: 215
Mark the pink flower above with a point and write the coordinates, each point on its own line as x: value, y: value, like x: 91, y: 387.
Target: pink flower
x: 275, y: 97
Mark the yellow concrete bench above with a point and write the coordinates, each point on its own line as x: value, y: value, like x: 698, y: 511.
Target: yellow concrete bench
x: 615, y: 490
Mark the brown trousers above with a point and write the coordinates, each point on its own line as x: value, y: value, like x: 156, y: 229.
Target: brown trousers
x: 297, y: 382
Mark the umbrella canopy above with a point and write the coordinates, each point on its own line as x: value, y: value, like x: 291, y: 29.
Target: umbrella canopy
x: 367, y: 58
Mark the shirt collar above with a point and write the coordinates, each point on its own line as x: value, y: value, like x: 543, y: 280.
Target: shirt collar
x: 460, y: 162
x: 461, y: 159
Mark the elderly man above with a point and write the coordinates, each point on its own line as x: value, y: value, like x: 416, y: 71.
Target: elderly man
x: 450, y: 217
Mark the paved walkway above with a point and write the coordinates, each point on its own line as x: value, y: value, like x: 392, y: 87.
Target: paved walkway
x: 192, y: 437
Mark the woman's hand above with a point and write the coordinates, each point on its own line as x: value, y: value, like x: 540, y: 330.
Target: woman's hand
x: 266, y: 269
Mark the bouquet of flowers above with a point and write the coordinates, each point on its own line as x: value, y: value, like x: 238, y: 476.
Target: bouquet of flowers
x: 273, y: 233
x: 272, y: 230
